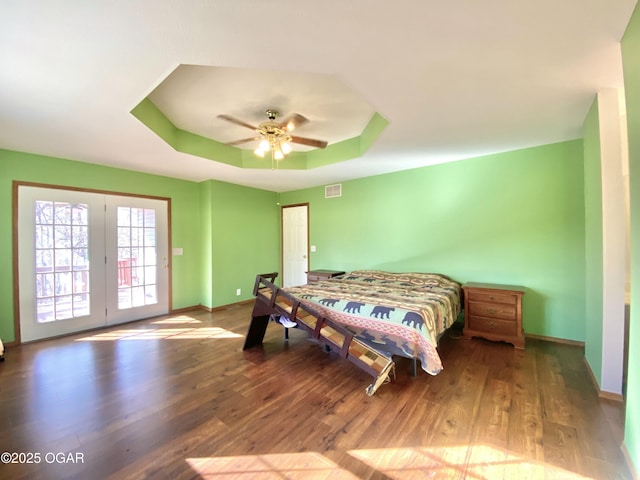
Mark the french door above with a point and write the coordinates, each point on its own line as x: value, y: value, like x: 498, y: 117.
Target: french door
x: 87, y: 260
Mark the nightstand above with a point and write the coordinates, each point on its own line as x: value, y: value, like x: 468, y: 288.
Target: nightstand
x: 317, y: 275
x: 493, y: 312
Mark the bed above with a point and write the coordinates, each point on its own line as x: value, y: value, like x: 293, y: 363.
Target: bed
x: 369, y: 316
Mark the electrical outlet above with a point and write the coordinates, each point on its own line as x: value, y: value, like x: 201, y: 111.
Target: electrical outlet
x: 238, y: 292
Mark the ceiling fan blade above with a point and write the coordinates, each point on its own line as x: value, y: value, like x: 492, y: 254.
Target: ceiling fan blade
x: 293, y: 121
x: 231, y: 119
x: 243, y: 140
x: 309, y: 142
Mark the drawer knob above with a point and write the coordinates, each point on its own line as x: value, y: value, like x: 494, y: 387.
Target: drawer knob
x: 492, y: 325
x: 491, y: 297
x: 492, y: 310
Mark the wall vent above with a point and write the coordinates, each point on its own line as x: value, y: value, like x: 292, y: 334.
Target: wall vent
x: 332, y: 191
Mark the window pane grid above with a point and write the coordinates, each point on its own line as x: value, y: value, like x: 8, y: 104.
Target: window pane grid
x: 136, y: 257
x: 61, y: 260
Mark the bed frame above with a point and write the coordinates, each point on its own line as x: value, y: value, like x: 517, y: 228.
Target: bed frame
x: 272, y: 302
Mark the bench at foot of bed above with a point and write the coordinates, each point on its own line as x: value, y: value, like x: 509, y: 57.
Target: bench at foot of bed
x: 272, y: 302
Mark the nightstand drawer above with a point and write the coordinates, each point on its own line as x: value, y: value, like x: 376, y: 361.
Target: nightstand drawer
x: 492, y: 297
x: 319, y: 275
x: 492, y: 325
x: 494, y: 310
x: 315, y: 278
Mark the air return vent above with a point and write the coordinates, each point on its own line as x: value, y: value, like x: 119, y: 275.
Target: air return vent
x: 332, y: 191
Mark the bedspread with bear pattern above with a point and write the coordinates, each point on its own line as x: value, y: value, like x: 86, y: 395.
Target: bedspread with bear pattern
x: 395, y: 312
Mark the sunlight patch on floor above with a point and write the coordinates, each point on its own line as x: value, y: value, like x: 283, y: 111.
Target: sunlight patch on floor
x: 459, y: 462
x: 176, y: 320
x: 160, y: 333
x: 309, y: 465
x: 454, y: 462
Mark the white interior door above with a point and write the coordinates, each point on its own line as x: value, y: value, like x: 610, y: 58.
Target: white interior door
x: 295, y: 245
x: 70, y: 275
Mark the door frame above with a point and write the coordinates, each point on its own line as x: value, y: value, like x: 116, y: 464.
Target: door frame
x: 15, y: 247
x: 282, y: 207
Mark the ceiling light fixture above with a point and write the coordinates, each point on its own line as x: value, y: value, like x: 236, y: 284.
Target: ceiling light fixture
x: 274, y: 137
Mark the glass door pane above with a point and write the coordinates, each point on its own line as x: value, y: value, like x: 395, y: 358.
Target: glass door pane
x: 62, y: 260
x: 137, y: 264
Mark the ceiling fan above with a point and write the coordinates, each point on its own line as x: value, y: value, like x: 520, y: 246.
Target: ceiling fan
x: 275, y: 135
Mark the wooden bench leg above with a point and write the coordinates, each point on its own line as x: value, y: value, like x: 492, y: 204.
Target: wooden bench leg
x: 257, y: 329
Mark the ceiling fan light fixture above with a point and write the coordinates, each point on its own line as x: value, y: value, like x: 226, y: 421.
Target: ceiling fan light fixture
x: 274, y: 136
x: 264, y: 145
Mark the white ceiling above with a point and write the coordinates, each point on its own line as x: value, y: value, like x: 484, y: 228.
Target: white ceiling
x: 193, y: 96
x: 454, y: 79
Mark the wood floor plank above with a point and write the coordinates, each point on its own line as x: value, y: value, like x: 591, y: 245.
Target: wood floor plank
x: 561, y: 447
x: 525, y: 432
x: 492, y: 423
x: 556, y: 405
x: 455, y: 424
x: 175, y: 397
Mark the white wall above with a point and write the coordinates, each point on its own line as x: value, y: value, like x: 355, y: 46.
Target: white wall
x: 615, y: 224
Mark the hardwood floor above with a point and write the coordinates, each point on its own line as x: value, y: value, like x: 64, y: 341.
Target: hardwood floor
x: 176, y: 397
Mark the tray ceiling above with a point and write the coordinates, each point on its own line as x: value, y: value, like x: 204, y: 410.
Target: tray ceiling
x: 452, y: 79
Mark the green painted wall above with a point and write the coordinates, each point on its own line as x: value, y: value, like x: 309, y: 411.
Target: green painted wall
x: 593, y: 242
x: 244, y: 235
x: 185, y: 217
x: 631, y: 62
x: 515, y: 218
x: 228, y: 233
